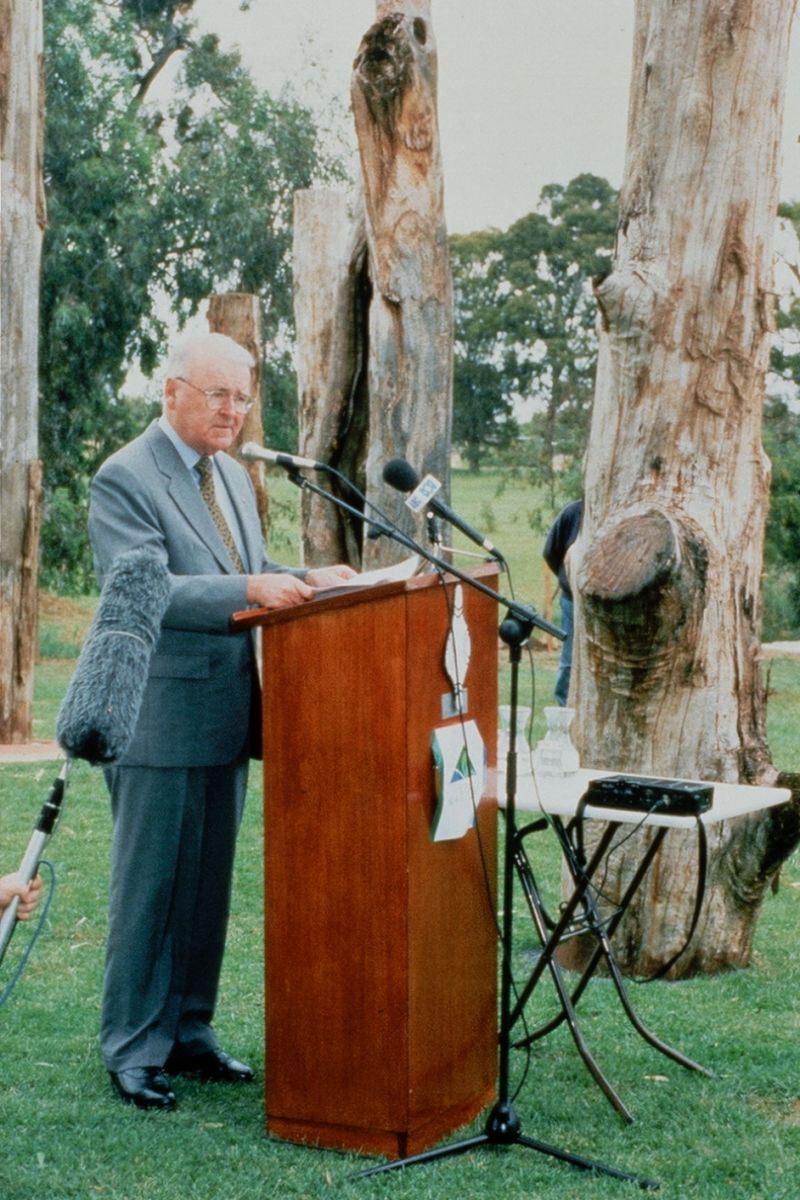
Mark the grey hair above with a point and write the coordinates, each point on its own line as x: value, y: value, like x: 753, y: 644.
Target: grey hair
x: 217, y: 345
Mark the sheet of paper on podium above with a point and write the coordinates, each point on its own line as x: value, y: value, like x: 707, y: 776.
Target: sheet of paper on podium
x: 460, y: 764
x: 365, y: 579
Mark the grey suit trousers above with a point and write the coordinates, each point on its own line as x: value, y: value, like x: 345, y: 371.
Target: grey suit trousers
x: 171, y: 860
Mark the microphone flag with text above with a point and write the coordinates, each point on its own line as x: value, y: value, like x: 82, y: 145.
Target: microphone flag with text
x: 98, y: 715
x: 424, y: 495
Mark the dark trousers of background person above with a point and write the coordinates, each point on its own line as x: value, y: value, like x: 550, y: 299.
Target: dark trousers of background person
x: 565, y: 662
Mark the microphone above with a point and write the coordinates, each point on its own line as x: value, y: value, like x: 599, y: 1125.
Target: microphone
x: 401, y: 475
x: 98, y: 714
x: 252, y: 452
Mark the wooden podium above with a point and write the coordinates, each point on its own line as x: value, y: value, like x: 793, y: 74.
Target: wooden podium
x: 380, y: 943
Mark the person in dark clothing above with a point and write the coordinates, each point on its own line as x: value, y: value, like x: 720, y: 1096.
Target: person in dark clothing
x: 563, y: 533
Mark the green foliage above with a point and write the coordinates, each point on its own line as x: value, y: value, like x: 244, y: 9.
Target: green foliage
x: 482, y: 412
x: 482, y: 400
x: 782, y: 443
x: 280, y: 402
x: 525, y: 330
x: 782, y: 547
x: 785, y: 353
x: 101, y: 247
x: 151, y: 208
x: 553, y: 256
x: 240, y: 157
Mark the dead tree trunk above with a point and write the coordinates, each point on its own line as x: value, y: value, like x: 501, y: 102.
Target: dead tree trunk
x: 667, y: 673
x: 411, y: 311
x: 331, y: 302
x: 237, y: 314
x: 22, y: 222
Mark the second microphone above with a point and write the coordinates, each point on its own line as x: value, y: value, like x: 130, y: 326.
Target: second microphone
x: 424, y: 494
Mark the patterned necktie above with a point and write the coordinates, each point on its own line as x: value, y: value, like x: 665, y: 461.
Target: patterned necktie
x: 205, y: 468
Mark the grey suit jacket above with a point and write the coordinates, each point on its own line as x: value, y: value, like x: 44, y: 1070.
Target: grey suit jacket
x: 200, y: 705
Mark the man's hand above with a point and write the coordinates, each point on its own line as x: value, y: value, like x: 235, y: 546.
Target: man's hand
x: 275, y: 590
x: 283, y: 591
x: 328, y: 577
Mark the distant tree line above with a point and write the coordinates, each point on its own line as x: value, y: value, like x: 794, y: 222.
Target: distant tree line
x: 525, y: 332
x: 525, y: 339
x: 782, y: 443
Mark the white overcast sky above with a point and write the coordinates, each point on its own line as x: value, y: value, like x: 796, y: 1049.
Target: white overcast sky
x: 530, y: 91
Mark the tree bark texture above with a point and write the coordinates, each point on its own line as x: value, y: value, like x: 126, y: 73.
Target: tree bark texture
x: 411, y: 310
x: 331, y: 305
x: 237, y: 315
x: 667, y: 569
x: 22, y: 222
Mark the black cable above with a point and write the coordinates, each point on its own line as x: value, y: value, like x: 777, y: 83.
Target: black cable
x: 702, y: 870
x: 493, y: 909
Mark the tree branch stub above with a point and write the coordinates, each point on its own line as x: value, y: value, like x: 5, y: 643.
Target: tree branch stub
x: 410, y: 329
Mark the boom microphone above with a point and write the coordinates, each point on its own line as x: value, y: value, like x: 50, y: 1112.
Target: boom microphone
x: 252, y: 452
x: 401, y: 475
x: 98, y: 715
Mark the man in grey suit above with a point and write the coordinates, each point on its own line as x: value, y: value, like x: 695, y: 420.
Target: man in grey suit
x: 177, y: 795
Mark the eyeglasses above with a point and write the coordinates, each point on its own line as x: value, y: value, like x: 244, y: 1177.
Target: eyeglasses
x: 216, y: 397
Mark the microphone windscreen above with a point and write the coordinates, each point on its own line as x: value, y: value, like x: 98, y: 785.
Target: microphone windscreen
x: 98, y: 715
x: 400, y: 474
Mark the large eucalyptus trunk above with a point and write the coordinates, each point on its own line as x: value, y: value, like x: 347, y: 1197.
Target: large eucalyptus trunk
x: 411, y: 309
x: 331, y: 301
x: 22, y: 220
x: 667, y: 679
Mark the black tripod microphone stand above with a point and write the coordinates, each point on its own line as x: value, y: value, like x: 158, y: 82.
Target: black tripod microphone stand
x: 503, y: 1126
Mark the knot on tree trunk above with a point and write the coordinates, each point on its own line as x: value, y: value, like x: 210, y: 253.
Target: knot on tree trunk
x: 642, y: 587
x: 393, y: 57
x: 628, y: 299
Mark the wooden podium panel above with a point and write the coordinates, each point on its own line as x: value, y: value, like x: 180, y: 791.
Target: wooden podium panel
x: 381, y: 1010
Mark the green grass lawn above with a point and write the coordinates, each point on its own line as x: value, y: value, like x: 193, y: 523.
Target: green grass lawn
x: 65, y: 1137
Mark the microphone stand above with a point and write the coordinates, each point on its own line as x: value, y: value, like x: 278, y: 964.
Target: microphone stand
x: 503, y: 1126
x: 384, y: 527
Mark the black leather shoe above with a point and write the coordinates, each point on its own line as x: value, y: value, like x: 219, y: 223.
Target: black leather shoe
x: 146, y: 1087
x: 213, y: 1066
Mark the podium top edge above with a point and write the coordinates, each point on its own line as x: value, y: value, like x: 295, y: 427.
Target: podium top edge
x: 253, y: 618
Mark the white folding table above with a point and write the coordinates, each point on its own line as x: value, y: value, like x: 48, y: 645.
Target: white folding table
x: 559, y: 800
